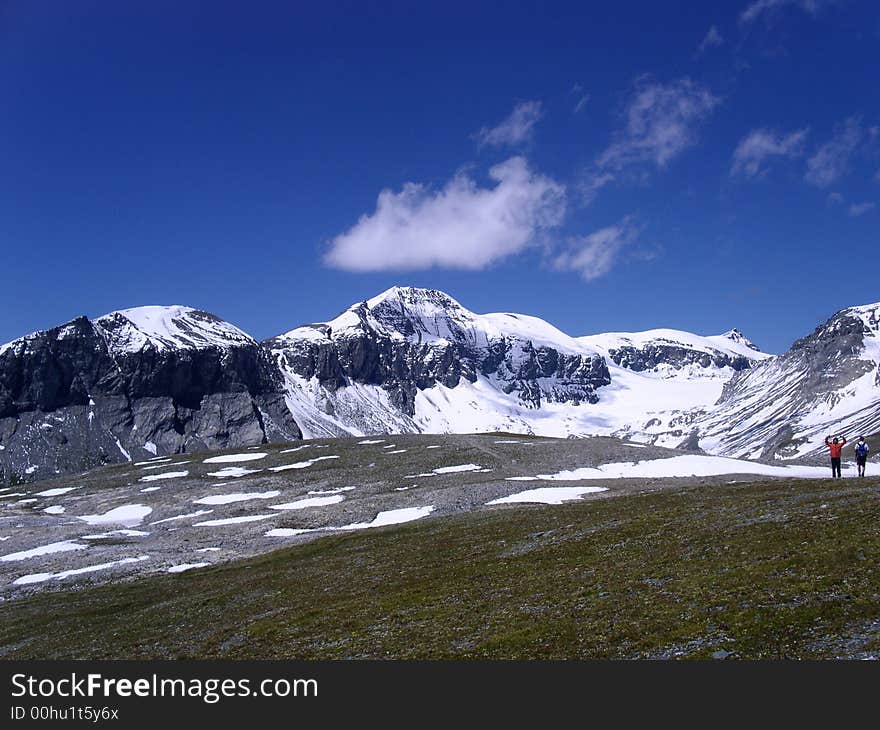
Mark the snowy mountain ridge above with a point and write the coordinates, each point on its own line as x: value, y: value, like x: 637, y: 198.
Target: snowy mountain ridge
x: 149, y: 380
x: 433, y: 317
x: 498, y: 371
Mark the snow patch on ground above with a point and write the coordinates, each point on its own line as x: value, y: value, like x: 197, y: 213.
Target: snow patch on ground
x: 301, y: 464
x: 197, y: 513
x: 55, y: 509
x: 383, y: 519
x: 232, y: 521
x: 689, y: 465
x: 128, y: 515
x: 446, y: 470
x: 288, y: 532
x: 185, y: 566
x: 41, y: 577
x: 56, y: 492
x: 116, y: 533
x: 456, y: 469
x: 232, y: 471
x: 165, y: 475
x: 392, y: 517
x: 229, y: 458
x: 163, y: 466
x: 54, y: 547
x: 548, y: 495
x: 237, y: 497
x: 309, y: 502
x: 331, y: 491
x: 298, y: 448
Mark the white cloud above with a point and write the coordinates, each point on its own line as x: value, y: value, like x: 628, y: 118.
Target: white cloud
x: 835, y: 197
x: 593, y: 182
x: 760, y: 145
x: 594, y: 255
x: 831, y: 160
x: 515, y: 129
x: 582, y: 98
x: 712, y: 39
x: 768, y: 8
x: 660, y: 122
x: 857, y: 209
x: 461, y: 226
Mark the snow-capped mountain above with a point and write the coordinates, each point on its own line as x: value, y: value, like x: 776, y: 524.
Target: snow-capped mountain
x: 168, y: 328
x: 667, y: 352
x: 661, y: 376
x: 133, y: 384
x: 416, y: 360
x: 156, y: 380
x: 827, y: 383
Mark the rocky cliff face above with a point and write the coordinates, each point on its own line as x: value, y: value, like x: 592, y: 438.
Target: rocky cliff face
x: 827, y: 383
x: 651, y: 356
x: 131, y: 385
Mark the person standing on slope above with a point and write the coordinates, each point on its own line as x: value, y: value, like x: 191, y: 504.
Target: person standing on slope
x: 835, y: 446
x: 862, y: 450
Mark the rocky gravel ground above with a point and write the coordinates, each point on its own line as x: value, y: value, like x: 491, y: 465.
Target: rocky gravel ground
x: 192, y: 510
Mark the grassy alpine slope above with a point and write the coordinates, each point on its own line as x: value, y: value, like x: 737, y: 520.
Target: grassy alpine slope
x: 767, y: 569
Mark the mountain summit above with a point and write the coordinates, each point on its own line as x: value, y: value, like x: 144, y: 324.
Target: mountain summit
x: 168, y: 328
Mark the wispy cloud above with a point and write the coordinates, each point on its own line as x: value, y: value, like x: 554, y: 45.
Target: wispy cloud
x: 712, y: 39
x: 857, y: 209
x: 769, y: 9
x: 831, y: 160
x: 517, y: 128
x: 461, y: 226
x: 659, y: 123
x: 760, y: 145
x: 594, y: 255
x: 582, y: 98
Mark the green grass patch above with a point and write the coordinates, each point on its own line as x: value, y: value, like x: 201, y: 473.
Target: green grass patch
x: 778, y: 569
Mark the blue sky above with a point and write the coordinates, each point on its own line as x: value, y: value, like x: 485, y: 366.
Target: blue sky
x: 605, y: 166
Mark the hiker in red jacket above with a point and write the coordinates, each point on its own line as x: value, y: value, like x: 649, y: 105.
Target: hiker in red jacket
x: 835, y: 446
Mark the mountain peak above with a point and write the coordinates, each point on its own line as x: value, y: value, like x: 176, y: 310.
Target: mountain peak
x: 168, y: 327
x: 735, y: 335
x: 869, y: 314
x: 409, y: 296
